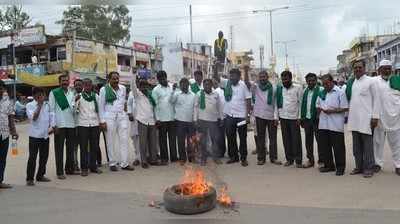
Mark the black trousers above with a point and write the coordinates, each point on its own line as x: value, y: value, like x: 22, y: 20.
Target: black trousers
x: 363, y: 151
x: 292, y: 140
x: 3, y: 156
x: 64, y: 136
x: 89, y: 136
x: 76, y: 146
x: 231, y: 129
x: 222, y: 141
x: 262, y: 125
x: 185, y: 130
x: 333, y: 141
x: 37, y: 146
x: 311, y: 131
x: 167, y: 128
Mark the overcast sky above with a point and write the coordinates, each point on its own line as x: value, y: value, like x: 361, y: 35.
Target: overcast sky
x: 322, y: 29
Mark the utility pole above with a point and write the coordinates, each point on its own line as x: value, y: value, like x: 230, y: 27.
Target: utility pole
x: 191, y: 41
x: 286, y: 42
x: 231, y: 34
x: 73, y: 49
x: 261, y: 56
x: 270, y: 11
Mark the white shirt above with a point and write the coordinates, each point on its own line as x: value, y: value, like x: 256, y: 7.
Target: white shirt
x: 164, y: 110
x: 111, y: 111
x: 335, y: 99
x: 309, y: 99
x: 389, y: 105
x: 261, y: 107
x: 184, y: 105
x: 141, y: 108
x: 364, y: 105
x: 213, y: 110
x: 86, y: 113
x: 63, y: 118
x: 40, y: 127
x: 221, y: 97
x: 291, y: 102
x: 131, y: 110
x: 237, y: 106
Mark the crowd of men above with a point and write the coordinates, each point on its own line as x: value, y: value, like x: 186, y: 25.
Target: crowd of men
x: 187, y: 122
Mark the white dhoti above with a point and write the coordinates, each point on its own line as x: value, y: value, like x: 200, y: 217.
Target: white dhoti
x: 379, y: 144
x: 135, y: 140
x: 117, y: 125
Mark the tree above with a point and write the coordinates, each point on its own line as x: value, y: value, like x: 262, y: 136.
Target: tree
x: 14, y: 18
x: 109, y: 23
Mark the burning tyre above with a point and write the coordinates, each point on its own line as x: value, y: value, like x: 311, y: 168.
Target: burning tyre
x: 177, y: 199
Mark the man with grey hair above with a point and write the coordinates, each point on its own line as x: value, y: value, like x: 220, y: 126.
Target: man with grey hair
x: 389, y: 122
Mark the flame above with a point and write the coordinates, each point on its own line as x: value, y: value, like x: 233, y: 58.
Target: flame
x: 194, y: 182
x: 224, y: 198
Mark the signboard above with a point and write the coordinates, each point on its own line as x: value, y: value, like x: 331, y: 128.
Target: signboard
x: 4, y: 42
x: 84, y: 46
x: 30, y: 36
x: 141, y: 47
x: 124, y: 51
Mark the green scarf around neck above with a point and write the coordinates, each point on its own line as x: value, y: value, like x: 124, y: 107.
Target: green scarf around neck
x: 91, y: 97
x: 60, y: 98
x: 110, y: 94
x: 194, y: 87
x: 266, y: 87
x: 279, y: 96
x: 228, y: 91
x: 394, y: 82
x: 349, y: 88
x: 313, y: 108
x: 202, y: 100
x: 150, y: 98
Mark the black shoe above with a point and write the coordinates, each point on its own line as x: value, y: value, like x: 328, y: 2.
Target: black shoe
x: 128, y: 168
x: 61, y: 177
x: 145, y: 165
x: 377, y: 168
x: 397, y: 170
x: 288, y: 163
x: 5, y: 186
x: 30, y: 183
x: 326, y: 169
x: 232, y: 161
x: 260, y: 162
x: 368, y: 173
x: 43, y: 179
x: 339, y: 172
x: 113, y: 168
x: 98, y: 171
x: 84, y: 173
x: 136, y: 163
x: 356, y: 171
x: 244, y: 163
x: 276, y: 162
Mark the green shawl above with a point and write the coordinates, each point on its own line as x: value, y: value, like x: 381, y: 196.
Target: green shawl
x: 91, y: 97
x: 394, y: 82
x: 228, y: 91
x: 195, y: 87
x: 313, y: 109
x: 202, y: 100
x: 266, y: 87
x: 349, y: 88
x: 110, y: 94
x: 150, y: 98
x: 60, y: 98
x: 279, y: 96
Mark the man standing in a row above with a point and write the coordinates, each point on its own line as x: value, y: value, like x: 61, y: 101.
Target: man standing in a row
x: 363, y: 118
x: 332, y: 105
x: 289, y: 98
x: 266, y: 114
x: 62, y: 101
x: 388, y: 87
x: 7, y: 127
x: 309, y: 119
x: 165, y: 116
x: 114, y: 119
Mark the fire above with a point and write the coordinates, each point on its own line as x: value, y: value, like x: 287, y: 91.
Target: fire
x: 224, y: 198
x: 194, y: 182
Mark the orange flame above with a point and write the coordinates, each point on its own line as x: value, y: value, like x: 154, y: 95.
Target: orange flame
x: 224, y: 198
x: 194, y: 182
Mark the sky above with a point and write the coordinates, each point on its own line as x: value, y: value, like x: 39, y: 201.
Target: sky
x: 320, y: 29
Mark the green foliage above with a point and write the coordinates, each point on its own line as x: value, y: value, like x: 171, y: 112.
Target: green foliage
x: 13, y: 18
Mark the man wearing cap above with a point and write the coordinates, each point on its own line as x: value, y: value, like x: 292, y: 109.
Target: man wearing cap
x: 389, y: 122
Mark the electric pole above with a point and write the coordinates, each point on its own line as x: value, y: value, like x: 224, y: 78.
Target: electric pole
x: 286, y: 42
x: 261, y: 56
x: 231, y: 34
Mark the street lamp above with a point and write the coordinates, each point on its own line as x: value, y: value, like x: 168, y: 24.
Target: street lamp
x: 286, y: 42
x: 266, y: 11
